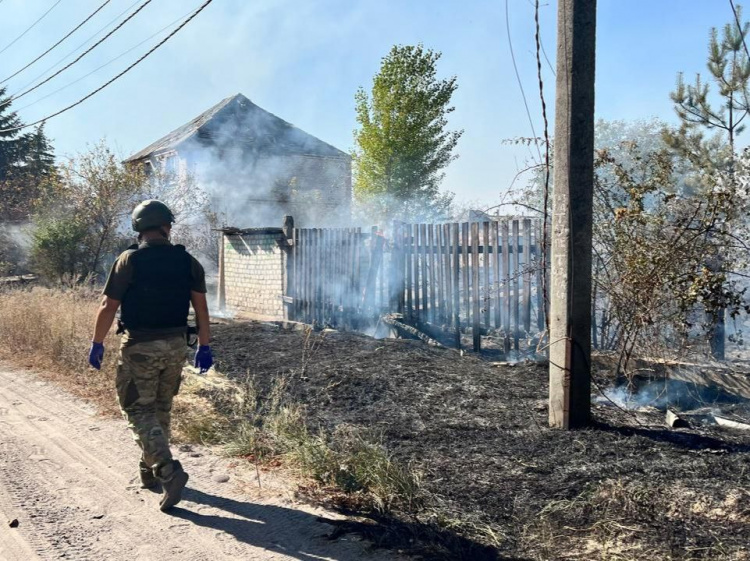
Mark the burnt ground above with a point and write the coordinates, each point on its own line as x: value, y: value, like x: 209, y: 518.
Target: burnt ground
x: 628, y: 488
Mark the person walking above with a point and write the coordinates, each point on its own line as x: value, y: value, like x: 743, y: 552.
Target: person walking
x: 153, y: 283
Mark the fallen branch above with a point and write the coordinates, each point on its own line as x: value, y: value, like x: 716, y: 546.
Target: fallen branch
x: 402, y: 328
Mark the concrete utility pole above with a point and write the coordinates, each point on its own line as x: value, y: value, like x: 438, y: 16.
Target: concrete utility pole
x: 572, y: 202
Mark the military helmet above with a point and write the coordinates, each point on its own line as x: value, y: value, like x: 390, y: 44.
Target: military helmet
x: 151, y: 214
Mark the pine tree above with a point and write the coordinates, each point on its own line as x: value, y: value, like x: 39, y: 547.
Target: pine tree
x: 12, y: 144
x: 27, y: 163
x: 403, y: 145
x: 729, y: 70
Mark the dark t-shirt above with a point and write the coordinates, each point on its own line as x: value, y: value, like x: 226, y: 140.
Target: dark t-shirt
x: 120, y: 278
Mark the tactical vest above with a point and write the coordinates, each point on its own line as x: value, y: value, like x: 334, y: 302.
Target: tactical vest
x: 159, y: 295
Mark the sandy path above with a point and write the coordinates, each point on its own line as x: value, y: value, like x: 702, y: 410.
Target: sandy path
x: 70, y: 479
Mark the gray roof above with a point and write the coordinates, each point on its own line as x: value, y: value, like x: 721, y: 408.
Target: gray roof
x: 236, y: 119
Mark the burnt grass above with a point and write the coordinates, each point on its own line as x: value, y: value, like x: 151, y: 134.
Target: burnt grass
x: 501, y: 484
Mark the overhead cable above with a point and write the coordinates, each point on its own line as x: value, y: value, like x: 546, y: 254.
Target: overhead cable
x: 118, y: 57
x: 121, y: 74
x: 739, y: 27
x: 78, y: 48
x: 6, y: 47
x: 83, y: 54
x: 45, y: 53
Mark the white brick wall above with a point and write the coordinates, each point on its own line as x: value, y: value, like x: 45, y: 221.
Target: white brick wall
x: 254, y: 274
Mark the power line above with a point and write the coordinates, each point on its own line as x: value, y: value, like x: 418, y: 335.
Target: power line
x: 128, y: 69
x: 83, y: 54
x: 739, y: 27
x: 78, y: 48
x: 118, y: 57
x: 29, y: 28
x: 45, y: 53
x: 520, y: 83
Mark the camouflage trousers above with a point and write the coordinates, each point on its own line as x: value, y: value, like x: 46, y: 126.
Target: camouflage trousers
x: 148, y: 377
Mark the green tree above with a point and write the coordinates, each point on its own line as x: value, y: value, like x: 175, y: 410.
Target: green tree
x: 97, y: 193
x: 701, y: 110
x: 723, y: 113
x: 402, y: 144
x: 27, y: 163
x: 59, y: 249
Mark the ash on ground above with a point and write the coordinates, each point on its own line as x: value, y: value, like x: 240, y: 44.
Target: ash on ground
x: 628, y: 487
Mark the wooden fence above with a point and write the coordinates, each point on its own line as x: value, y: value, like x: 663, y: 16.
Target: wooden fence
x: 480, y: 276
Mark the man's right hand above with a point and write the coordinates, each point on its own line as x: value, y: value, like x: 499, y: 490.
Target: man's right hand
x: 96, y: 354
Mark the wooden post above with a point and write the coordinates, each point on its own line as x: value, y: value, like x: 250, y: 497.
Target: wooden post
x: 397, y: 268
x: 357, y: 269
x: 527, y: 275
x: 496, y: 272
x: 487, y: 292
x: 572, y: 202
x: 516, y: 287
x: 221, y: 290
x: 289, y: 277
x: 424, y: 316
x: 475, y: 319
x: 318, y: 276
x: 506, y: 281
x: 337, y: 277
x: 408, y: 257
x: 370, y: 299
x: 439, y: 274
x: 431, y: 259
x: 448, y: 274
x: 456, y: 271
x: 465, y: 263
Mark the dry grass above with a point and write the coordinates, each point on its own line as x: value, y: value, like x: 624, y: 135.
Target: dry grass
x: 49, y: 330
x: 271, y: 427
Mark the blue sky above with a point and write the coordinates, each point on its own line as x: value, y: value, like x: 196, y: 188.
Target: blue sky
x: 303, y: 60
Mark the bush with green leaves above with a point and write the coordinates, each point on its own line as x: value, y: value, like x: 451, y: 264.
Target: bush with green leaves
x: 59, y: 249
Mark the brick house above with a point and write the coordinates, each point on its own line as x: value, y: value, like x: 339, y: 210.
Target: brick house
x: 255, y: 166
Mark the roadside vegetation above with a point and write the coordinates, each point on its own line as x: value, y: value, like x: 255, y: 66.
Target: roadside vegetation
x: 48, y: 330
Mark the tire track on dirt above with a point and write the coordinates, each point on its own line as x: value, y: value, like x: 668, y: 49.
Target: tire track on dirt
x: 72, y: 482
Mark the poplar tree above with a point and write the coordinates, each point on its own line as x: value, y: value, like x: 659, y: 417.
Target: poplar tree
x: 403, y: 144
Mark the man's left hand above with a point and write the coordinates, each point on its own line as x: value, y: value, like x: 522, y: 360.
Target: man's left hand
x: 96, y: 355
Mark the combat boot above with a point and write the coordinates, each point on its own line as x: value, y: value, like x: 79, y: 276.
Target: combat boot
x: 173, y: 480
x: 148, y: 479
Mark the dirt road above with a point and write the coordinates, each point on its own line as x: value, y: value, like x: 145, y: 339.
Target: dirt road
x: 70, y: 480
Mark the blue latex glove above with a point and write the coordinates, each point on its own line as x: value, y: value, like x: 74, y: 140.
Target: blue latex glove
x: 203, y: 358
x: 96, y: 354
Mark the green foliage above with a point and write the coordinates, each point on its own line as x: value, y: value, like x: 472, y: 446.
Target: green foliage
x: 729, y: 70
x: 27, y: 164
x: 59, y: 249
x: 402, y: 143
x: 650, y: 247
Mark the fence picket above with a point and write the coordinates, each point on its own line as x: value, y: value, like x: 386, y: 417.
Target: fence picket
x: 486, y: 290
x: 465, y: 259
x: 516, y: 280
x: 456, y: 271
x: 527, y: 275
x: 496, y: 272
x: 475, y: 317
x: 439, y: 274
x: 506, y: 283
x: 480, y: 275
x: 448, y: 317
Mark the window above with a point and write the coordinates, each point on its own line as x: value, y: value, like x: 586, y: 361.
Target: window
x: 171, y: 164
